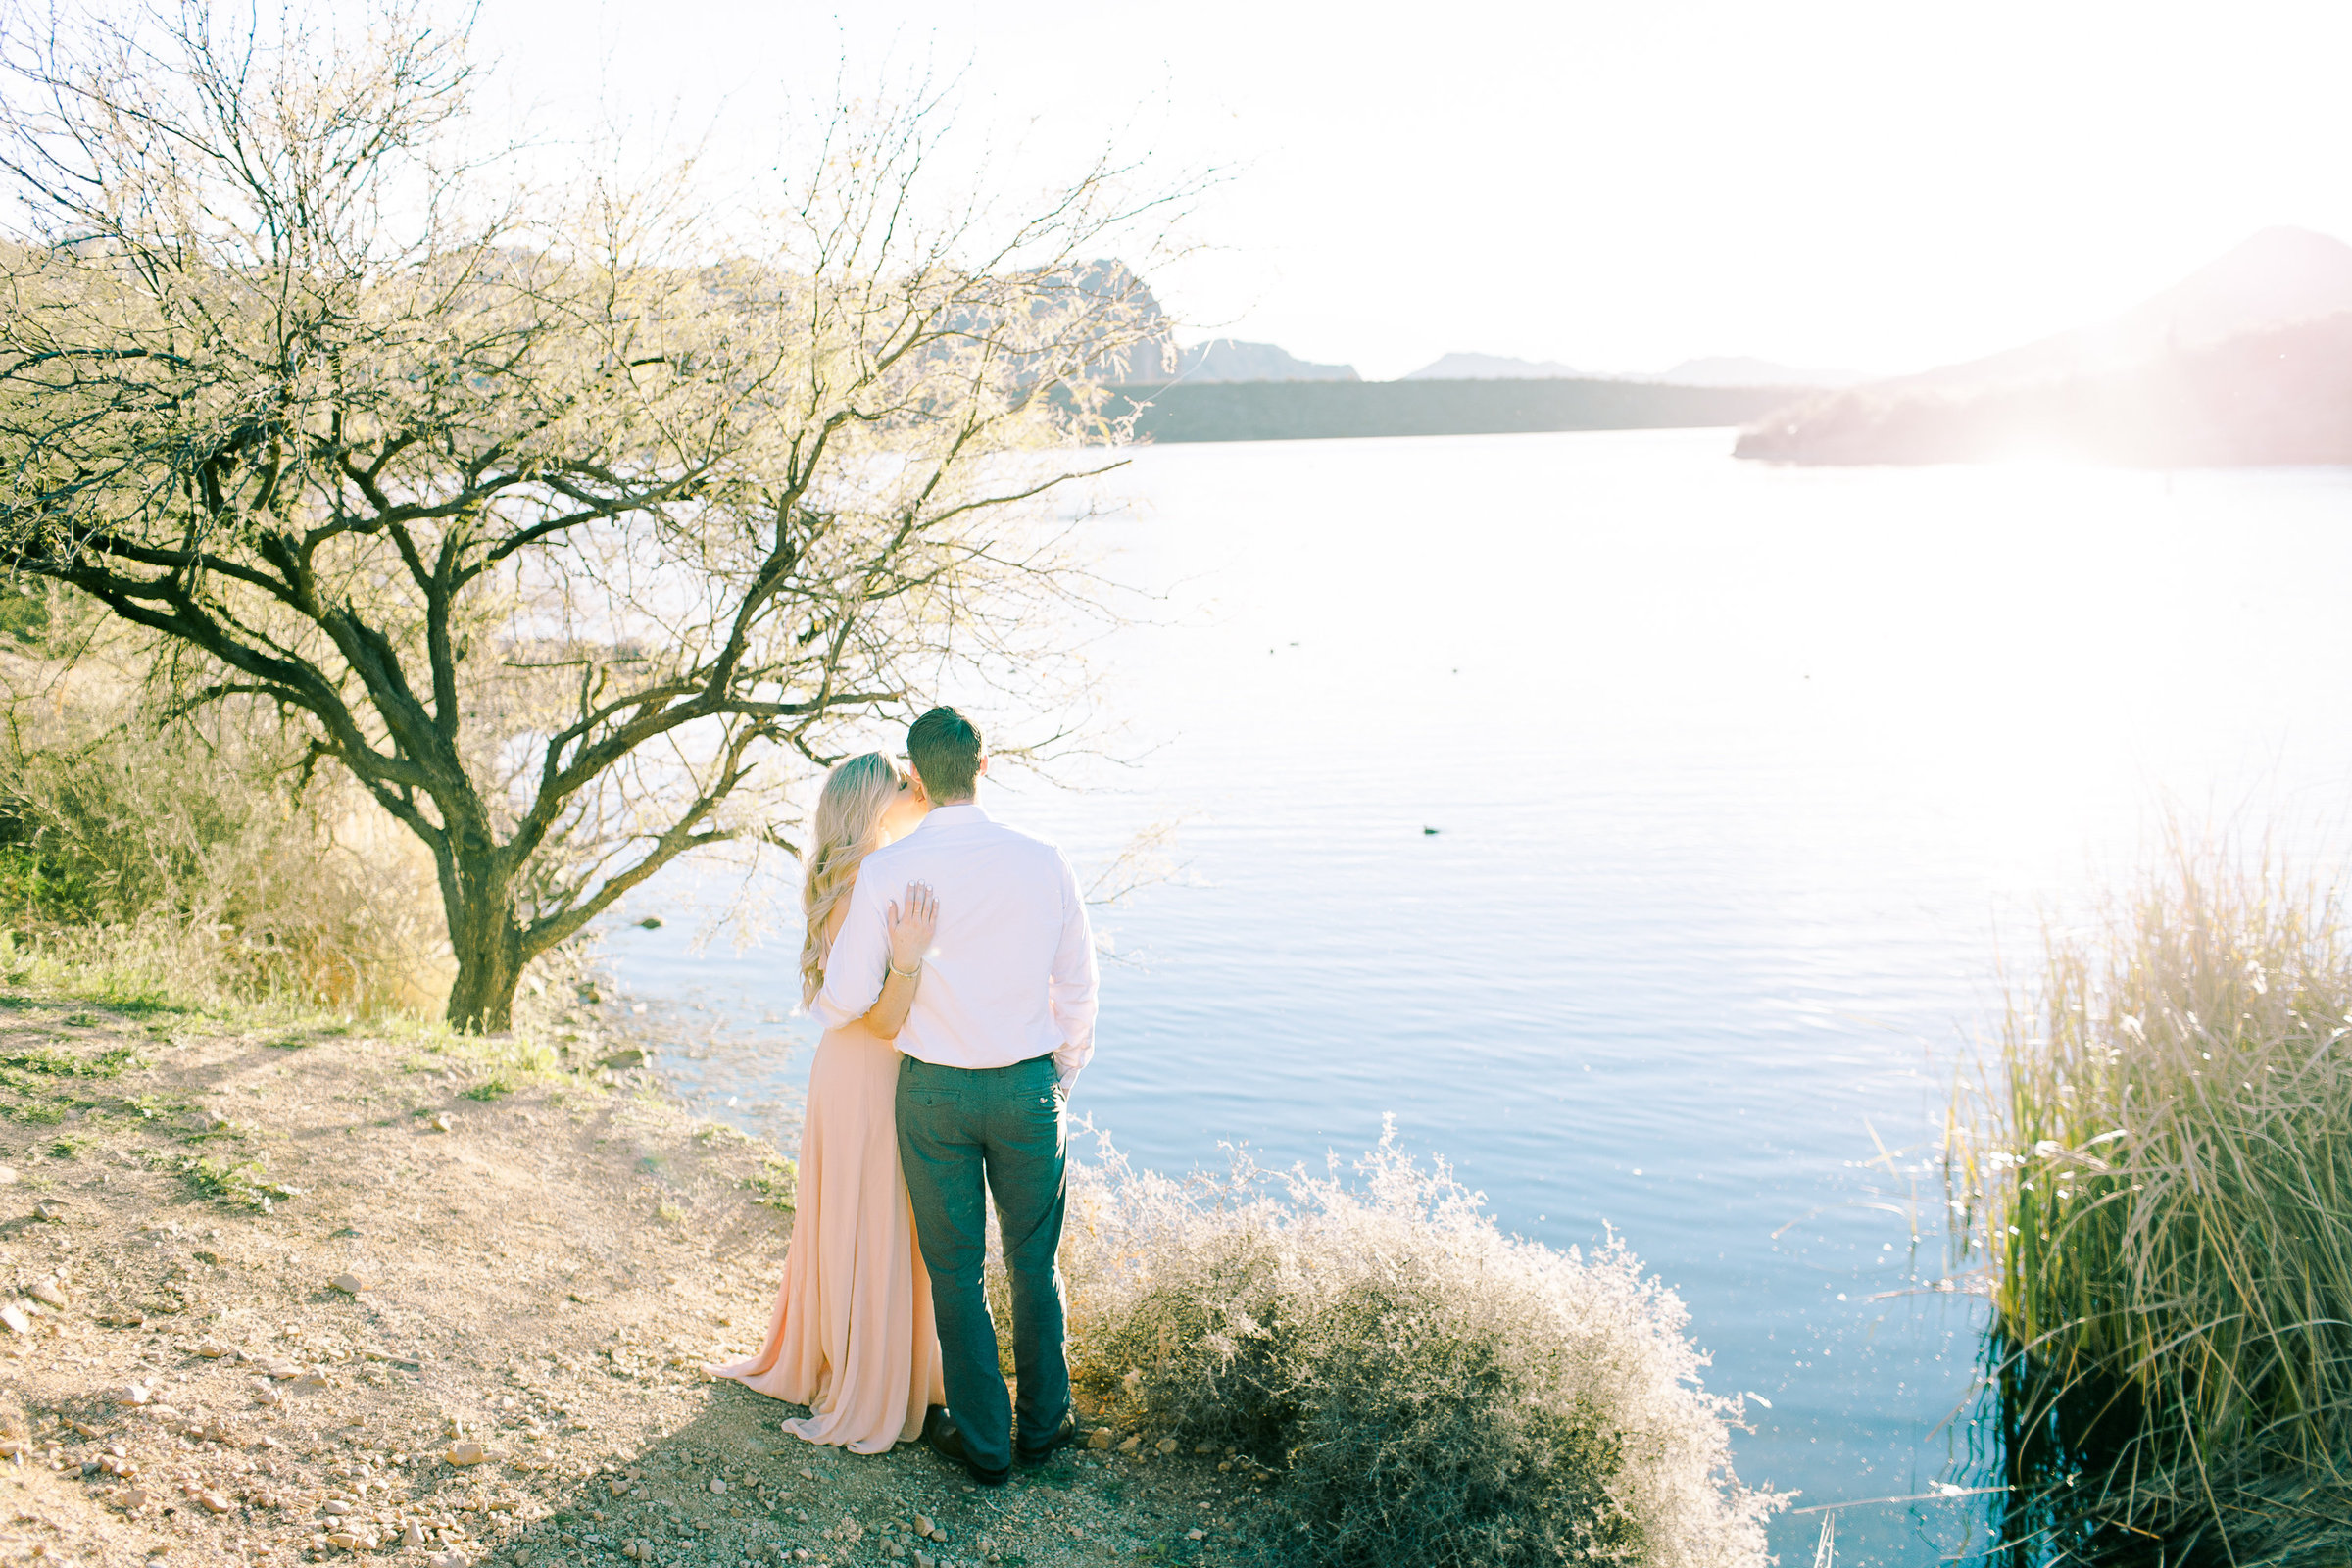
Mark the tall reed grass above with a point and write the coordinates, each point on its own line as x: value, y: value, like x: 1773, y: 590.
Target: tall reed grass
x: 2160, y: 1174
x: 1430, y: 1390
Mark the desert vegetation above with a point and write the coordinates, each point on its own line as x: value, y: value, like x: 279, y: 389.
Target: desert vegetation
x: 203, y: 860
x: 2159, y: 1172
x: 1430, y: 1389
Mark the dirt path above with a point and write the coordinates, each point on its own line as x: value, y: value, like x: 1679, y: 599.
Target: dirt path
x: 293, y: 1293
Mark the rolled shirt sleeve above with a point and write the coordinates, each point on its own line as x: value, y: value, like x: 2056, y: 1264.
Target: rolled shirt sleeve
x: 1071, y: 989
x: 855, y: 968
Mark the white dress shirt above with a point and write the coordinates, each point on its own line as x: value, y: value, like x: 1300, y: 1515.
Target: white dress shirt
x: 1010, y: 974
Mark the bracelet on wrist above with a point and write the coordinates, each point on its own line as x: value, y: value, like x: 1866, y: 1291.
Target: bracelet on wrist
x: 906, y: 974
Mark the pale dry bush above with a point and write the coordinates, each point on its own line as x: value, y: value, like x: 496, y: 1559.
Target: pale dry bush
x: 1431, y: 1389
x: 189, y: 861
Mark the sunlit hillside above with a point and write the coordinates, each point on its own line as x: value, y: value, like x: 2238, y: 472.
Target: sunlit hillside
x: 2277, y: 396
x: 2247, y: 361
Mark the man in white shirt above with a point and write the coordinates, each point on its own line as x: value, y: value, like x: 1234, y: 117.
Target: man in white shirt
x: 1002, y: 1019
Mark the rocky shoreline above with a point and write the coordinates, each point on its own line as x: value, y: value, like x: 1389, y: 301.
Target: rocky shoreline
x: 300, y: 1292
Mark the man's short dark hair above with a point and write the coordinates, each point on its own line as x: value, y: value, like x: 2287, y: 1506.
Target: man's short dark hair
x: 944, y: 748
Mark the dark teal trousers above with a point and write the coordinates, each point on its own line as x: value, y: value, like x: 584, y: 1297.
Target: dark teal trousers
x: 965, y: 1134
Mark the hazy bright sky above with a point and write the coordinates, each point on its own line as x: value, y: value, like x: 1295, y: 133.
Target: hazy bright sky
x: 1876, y: 184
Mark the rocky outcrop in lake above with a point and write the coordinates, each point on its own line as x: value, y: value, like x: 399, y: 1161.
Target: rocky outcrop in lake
x: 2246, y: 362
x: 2276, y: 397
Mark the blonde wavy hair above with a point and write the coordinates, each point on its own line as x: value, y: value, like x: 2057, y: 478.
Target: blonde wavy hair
x: 849, y: 828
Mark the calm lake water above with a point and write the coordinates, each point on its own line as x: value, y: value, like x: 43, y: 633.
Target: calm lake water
x: 1743, y: 781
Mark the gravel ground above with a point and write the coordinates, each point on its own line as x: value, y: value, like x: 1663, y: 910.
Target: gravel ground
x: 296, y: 1293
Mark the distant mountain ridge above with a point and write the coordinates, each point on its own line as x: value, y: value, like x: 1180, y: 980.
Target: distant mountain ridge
x: 2274, y: 396
x: 1225, y: 359
x: 1225, y: 391
x: 2275, y: 276
x: 2248, y: 360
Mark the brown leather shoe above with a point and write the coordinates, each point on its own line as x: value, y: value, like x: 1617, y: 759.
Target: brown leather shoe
x: 945, y: 1438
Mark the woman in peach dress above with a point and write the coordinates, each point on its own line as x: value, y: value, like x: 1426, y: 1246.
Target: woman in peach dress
x: 852, y: 1336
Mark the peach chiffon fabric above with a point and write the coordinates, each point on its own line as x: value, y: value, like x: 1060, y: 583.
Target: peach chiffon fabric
x: 853, y: 1335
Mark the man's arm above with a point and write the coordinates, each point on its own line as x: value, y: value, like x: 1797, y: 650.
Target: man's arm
x: 1070, y: 991
x: 854, y: 969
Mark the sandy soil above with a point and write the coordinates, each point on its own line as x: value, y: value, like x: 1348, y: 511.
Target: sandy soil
x: 536, y: 1258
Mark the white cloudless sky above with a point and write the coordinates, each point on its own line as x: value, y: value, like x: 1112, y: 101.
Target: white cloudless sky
x: 1873, y: 184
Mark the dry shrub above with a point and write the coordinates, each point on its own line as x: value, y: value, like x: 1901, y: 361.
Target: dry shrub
x: 2161, y: 1173
x: 193, y: 860
x: 1431, y: 1389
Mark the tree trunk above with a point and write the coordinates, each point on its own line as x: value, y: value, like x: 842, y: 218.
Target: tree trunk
x: 488, y: 943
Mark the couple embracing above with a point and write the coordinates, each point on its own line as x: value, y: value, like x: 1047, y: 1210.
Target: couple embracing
x: 949, y: 960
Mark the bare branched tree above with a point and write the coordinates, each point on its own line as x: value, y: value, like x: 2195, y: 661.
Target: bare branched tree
x: 572, y: 524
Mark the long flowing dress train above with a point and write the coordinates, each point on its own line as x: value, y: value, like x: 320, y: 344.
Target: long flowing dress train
x: 852, y: 1336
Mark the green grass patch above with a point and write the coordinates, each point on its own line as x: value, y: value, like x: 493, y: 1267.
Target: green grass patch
x: 52, y: 1064
x: 307, y: 1033
x: 135, y: 989
x: 510, y: 1062
x: 136, y: 975
x: 778, y: 1181
x: 146, y: 1002
x: 239, y: 1184
x: 68, y: 1147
